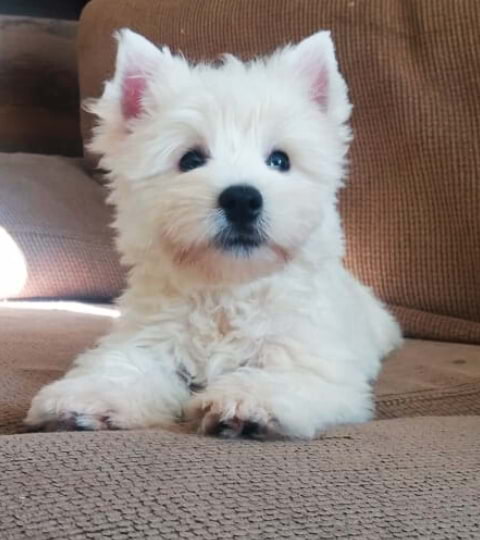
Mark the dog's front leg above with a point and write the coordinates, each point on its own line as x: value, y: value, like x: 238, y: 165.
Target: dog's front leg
x: 287, y: 403
x: 115, y: 386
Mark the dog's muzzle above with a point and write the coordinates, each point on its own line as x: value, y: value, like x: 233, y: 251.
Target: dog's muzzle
x: 242, y: 207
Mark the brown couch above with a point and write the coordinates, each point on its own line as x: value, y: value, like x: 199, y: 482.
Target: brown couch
x: 411, y: 213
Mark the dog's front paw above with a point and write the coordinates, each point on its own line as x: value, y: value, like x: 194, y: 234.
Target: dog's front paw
x: 73, y: 421
x: 230, y: 417
x: 76, y: 404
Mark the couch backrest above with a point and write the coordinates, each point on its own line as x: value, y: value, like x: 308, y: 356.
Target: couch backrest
x: 39, y: 102
x: 411, y: 209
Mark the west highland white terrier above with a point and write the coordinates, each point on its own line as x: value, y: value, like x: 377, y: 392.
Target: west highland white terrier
x: 239, y: 317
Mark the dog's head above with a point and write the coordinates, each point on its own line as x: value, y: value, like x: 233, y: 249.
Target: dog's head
x: 226, y: 171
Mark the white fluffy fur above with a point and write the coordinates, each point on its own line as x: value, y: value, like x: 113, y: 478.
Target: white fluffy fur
x: 285, y: 337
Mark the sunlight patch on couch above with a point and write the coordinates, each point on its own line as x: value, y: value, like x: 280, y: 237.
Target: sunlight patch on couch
x: 13, y: 266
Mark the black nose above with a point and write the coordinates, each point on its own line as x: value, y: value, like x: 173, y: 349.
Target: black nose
x: 242, y: 204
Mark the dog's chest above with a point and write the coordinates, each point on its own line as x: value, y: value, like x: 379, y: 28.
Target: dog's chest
x: 219, y: 336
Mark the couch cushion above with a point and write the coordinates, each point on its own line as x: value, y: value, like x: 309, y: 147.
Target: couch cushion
x: 411, y: 208
x: 54, y: 235
x: 40, y: 339
x: 411, y: 479
x: 429, y: 377
x: 39, y: 101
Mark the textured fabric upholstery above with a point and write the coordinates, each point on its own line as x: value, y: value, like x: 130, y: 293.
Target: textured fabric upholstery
x: 39, y: 98
x: 408, y: 479
x: 55, y: 240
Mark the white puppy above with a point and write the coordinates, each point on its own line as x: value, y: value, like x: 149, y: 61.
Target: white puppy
x: 239, y: 316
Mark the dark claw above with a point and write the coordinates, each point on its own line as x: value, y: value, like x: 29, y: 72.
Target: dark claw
x: 239, y: 428
x: 106, y: 420
x: 251, y: 429
x: 227, y: 430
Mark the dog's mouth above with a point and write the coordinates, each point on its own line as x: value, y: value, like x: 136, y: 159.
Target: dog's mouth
x: 240, y: 242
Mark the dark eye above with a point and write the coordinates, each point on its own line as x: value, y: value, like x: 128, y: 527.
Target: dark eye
x: 192, y: 160
x: 278, y: 160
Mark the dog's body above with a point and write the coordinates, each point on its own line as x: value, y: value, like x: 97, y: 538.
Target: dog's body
x: 239, y: 315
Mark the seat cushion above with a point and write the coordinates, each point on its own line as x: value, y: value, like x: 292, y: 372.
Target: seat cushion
x: 408, y: 478
x: 411, y: 205
x: 55, y: 239
x: 430, y: 378
x: 40, y: 340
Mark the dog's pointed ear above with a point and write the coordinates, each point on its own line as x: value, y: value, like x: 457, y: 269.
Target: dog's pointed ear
x: 314, y: 60
x: 138, y: 61
x: 143, y: 75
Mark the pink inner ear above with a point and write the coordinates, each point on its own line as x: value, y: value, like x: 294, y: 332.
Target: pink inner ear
x: 320, y: 87
x: 133, y: 88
